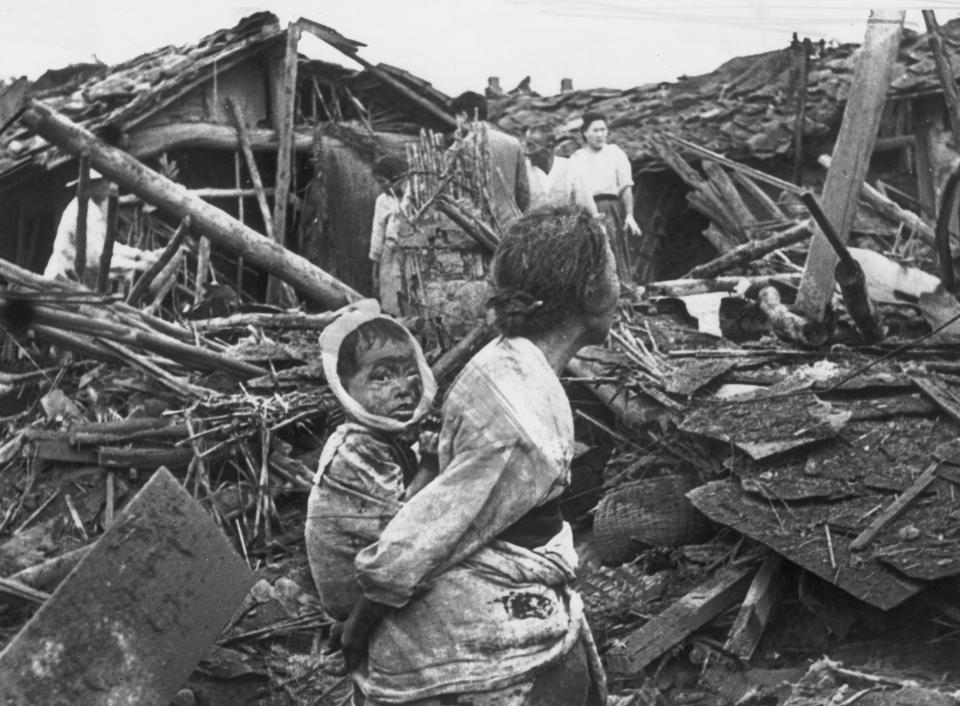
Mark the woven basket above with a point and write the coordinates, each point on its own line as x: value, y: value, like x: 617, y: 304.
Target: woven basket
x: 652, y: 512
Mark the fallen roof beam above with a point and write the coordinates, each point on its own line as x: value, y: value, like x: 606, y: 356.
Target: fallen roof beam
x: 858, y: 132
x: 219, y: 226
x: 132, y: 620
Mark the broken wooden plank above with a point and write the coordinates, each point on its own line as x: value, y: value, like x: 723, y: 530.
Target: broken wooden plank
x: 131, y: 621
x: 755, y: 611
x: 854, y: 145
x: 672, y: 626
x: 863, y: 539
x: 213, y: 222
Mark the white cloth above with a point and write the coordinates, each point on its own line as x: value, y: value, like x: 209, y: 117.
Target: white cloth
x: 459, y: 593
x: 603, y: 171
x: 62, y: 260
x: 558, y: 188
x: 330, y: 341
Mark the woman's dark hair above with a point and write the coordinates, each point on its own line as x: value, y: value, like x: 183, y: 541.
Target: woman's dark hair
x: 362, y: 338
x: 589, y: 119
x: 471, y: 103
x: 390, y: 167
x: 546, y: 267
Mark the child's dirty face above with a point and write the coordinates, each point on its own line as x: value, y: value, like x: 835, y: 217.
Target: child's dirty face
x: 387, y: 382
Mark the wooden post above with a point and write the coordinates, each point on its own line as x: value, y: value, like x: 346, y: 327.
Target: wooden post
x: 285, y: 155
x: 173, y: 198
x: 83, y: 204
x: 106, y: 255
x: 851, y: 157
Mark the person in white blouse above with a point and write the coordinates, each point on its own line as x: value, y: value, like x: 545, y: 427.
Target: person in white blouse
x: 605, y: 172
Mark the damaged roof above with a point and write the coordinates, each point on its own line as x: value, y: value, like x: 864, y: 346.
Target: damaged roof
x: 100, y: 97
x: 745, y: 109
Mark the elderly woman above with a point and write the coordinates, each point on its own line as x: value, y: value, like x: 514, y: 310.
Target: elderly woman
x: 467, y: 596
x: 604, y: 172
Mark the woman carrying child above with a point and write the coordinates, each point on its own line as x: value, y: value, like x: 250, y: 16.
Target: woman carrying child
x: 467, y: 594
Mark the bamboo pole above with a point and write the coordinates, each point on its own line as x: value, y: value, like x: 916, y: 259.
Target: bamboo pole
x: 220, y: 227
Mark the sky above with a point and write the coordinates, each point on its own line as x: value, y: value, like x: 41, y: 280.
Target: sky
x: 455, y: 44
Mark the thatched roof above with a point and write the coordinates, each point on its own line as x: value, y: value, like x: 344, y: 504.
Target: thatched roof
x: 745, y: 109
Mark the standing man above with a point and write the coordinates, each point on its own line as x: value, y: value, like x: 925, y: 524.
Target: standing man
x: 506, y: 168
x: 63, y: 259
x: 606, y: 174
x: 551, y: 183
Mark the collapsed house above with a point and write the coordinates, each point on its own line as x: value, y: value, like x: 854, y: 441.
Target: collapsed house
x: 776, y: 112
x: 852, y: 444
x: 315, y: 128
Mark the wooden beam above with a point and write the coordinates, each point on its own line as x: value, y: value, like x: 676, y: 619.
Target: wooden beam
x: 672, y: 626
x: 143, y: 284
x: 748, y: 252
x: 731, y: 197
x: 755, y: 611
x: 890, y: 209
x: 895, y: 508
x: 151, y: 141
x: 173, y: 198
x: 858, y: 132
